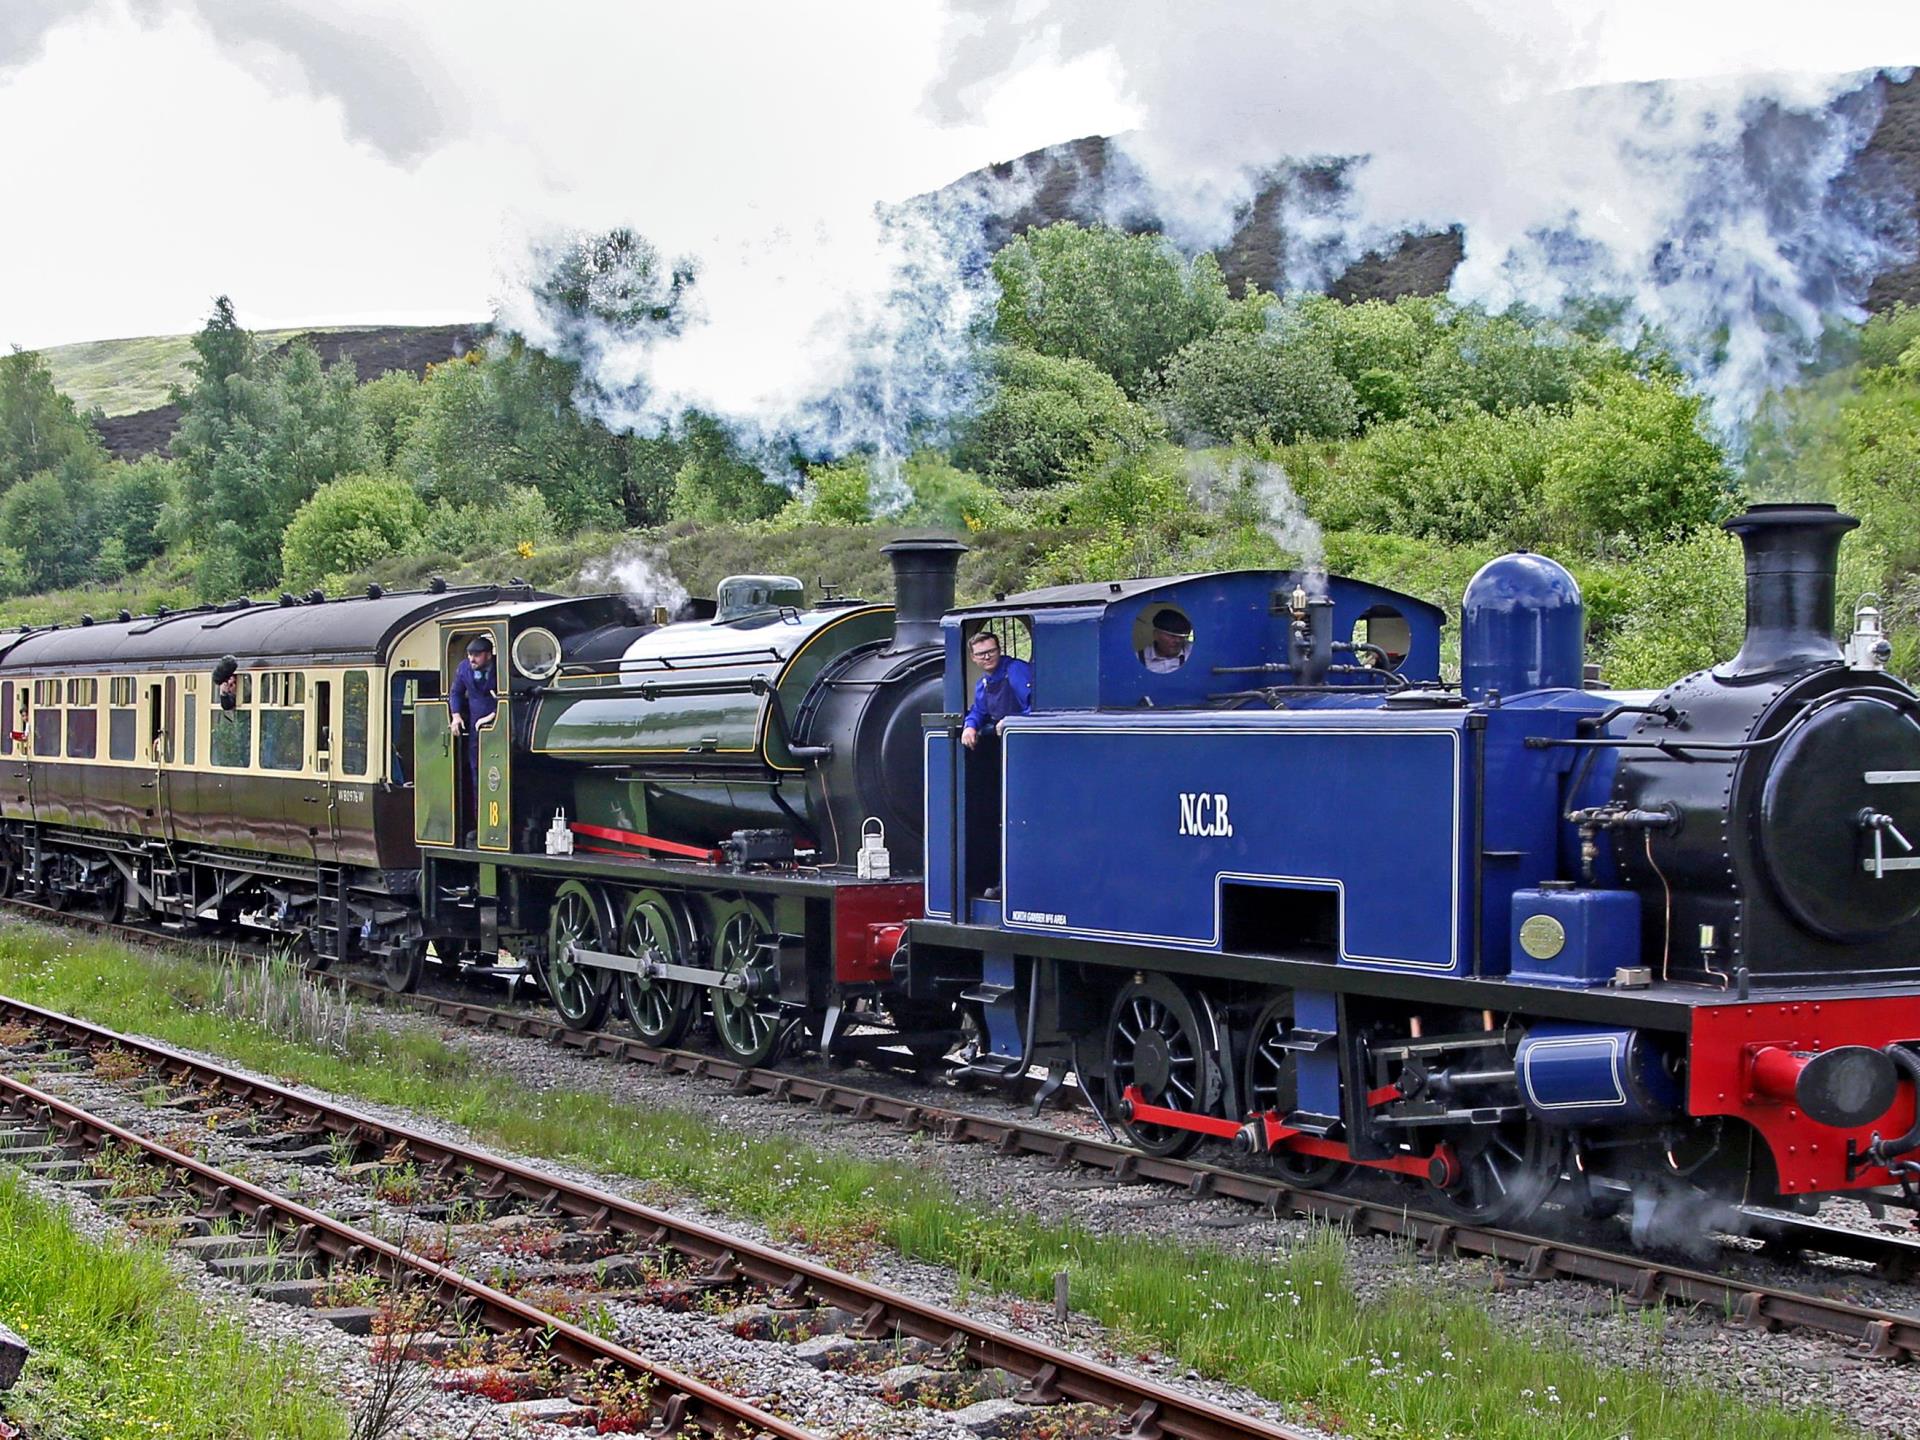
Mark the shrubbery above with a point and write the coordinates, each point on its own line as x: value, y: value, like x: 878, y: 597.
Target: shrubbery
x: 1423, y: 436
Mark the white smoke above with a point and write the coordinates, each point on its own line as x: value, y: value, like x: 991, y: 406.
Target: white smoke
x: 854, y: 333
x: 1259, y: 491
x: 637, y: 569
x: 1713, y: 214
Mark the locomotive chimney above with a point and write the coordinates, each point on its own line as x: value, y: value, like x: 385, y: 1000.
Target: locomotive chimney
x: 1792, y: 560
x: 922, y: 589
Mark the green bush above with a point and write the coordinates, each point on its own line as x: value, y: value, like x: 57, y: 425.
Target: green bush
x: 518, y: 524
x: 1636, y: 465
x: 1257, y: 386
x: 348, y: 524
x: 1047, y: 418
x: 839, y: 494
x: 1122, y: 303
x: 945, y: 496
x: 1469, y: 477
x: 717, y: 481
x: 1887, y: 337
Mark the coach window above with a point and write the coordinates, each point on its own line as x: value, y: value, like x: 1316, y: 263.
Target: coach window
x: 283, y: 720
x: 83, y: 719
x: 189, y: 718
x: 230, y: 742
x: 46, y: 717
x: 355, y: 699
x: 123, y: 721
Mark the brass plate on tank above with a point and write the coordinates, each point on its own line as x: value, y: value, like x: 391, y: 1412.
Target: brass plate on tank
x: 1542, y: 936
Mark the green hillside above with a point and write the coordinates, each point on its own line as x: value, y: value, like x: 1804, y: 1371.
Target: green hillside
x: 123, y: 377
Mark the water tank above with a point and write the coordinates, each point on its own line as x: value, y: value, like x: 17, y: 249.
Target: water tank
x: 1522, y: 627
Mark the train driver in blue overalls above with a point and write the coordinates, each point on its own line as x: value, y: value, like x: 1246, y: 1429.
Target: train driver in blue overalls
x: 1005, y: 688
x: 472, y: 700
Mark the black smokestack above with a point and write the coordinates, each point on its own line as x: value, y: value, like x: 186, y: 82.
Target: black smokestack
x: 1792, y: 556
x: 922, y: 588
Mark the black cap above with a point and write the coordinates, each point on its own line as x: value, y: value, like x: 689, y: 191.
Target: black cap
x: 224, y: 669
x: 480, y: 645
x: 1172, y: 622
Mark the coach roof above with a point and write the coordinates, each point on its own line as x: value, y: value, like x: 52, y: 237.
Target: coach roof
x: 357, y: 628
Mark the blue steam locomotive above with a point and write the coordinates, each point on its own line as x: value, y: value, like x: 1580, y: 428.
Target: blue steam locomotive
x: 1295, y: 894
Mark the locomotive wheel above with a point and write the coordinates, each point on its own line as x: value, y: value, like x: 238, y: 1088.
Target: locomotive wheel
x: 580, y: 993
x: 402, y: 965
x: 747, y: 1027
x: 1506, y: 1172
x: 658, y: 928
x: 9, y: 869
x: 1157, y: 1042
x: 1273, y: 1083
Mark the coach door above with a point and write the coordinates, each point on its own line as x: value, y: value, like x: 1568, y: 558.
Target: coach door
x: 433, y: 769
x: 320, y: 724
x: 157, y: 750
x: 484, y: 782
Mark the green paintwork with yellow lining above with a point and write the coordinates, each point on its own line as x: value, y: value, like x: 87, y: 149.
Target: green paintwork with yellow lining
x: 703, y: 693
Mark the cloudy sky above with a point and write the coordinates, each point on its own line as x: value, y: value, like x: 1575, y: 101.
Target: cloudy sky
x: 330, y: 161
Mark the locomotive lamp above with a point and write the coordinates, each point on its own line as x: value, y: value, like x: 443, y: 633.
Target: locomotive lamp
x: 1868, y: 647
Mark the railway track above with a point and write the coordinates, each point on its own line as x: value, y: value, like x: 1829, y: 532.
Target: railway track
x: 776, y: 1295
x: 1642, y: 1279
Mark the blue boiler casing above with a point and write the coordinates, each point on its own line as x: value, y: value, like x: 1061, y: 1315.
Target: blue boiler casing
x: 1572, y: 937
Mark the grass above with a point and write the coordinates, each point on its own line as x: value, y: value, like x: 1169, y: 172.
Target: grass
x: 122, y: 1350
x: 1414, y: 1363
x: 123, y: 377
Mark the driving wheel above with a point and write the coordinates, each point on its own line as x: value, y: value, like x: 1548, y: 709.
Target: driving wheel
x: 657, y: 927
x: 746, y: 1021
x: 1158, y: 1045
x: 1503, y: 1172
x: 581, y: 993
x: 1273, y: 1084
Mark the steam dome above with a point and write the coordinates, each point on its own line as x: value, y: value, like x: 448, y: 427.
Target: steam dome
x: 1522, y: 627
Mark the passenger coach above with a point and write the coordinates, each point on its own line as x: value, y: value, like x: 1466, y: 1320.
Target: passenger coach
x: 126, y: 786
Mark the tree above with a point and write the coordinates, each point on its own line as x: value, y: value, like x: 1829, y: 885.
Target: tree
x: 1256, y: 386
x: 716, y: 481
x: 1888, y: 336
x: 389, y: 404
x: 1637, y: 464
x: 613, y: 285
x: 38, y: 517
x: 491, y: 422
x: 1123, y: 303
x: 346, y: 525
x: 130, y: 506
x: 264, y: 438
x: 1047, y: 417
x: 39, y: 428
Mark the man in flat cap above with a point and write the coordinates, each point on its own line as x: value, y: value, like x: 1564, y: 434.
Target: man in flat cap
x: 226, y: 681
x: 1172, y: 639
x: 473, y: 701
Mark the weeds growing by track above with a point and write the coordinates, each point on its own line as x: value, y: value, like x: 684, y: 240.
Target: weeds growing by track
x: 1410, y: 1363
